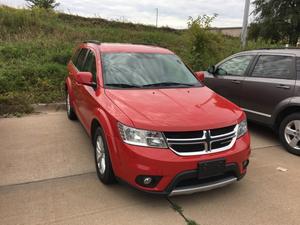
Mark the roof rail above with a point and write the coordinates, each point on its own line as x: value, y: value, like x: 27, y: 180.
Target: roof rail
x: 149, y: 44
x: 279, y: 48
x: 93, y: 42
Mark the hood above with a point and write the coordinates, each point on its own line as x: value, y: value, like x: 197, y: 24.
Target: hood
x: 175, y: 109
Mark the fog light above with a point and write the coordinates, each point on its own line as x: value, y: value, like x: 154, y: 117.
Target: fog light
x: 147, y: 180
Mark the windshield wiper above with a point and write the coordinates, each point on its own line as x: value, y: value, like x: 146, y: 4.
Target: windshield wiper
x: 167, y: 84
x: 123, y: 85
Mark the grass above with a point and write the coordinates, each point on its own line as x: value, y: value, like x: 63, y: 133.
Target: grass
x: 35, y: 46
x: 177, y: 208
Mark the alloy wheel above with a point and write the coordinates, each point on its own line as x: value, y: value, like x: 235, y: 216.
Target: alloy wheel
x: 68, y: 104
x: 292, y: 134
x: 100, y: 155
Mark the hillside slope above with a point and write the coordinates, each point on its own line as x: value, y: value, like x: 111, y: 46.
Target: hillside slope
x: 35, y: 46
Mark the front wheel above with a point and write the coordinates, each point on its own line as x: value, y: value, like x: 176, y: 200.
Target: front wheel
x: 289, y: 133
x: 102, y: 159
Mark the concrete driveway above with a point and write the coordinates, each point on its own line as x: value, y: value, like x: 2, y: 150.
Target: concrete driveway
x: 47, y: 176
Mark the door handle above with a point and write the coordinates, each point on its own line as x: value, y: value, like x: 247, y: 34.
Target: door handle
x: 282, y: 86
x: 236, y: 81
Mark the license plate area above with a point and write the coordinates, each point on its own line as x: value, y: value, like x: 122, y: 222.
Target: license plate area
x: 211, y: 168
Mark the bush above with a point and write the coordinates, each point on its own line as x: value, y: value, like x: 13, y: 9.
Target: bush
x: 12, y: 103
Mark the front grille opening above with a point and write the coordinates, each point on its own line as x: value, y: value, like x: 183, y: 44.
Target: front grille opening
x: 184, y: 135
x: 189, y: 148
x: 221, y: 143
x: 223, y: 130
x: 195, y: 142
x: 195, y: 181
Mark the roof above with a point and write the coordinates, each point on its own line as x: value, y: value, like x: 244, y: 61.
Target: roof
x: 294, y: 51
x: 134, y: 48
x: 225, y: 28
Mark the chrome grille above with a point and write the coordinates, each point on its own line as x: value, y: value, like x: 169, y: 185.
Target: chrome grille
x: 201, y: 142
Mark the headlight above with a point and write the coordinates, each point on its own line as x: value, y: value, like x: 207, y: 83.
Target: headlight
x: 242, y: 128
x: 142, y: 137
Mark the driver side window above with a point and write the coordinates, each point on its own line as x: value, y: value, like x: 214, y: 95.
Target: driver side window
x: 236, y: 66
x: 90, y: 65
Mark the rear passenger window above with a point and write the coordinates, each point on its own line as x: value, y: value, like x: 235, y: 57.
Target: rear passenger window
x: 80, y: 60
x: 271, y: 66
x: 90, y: 65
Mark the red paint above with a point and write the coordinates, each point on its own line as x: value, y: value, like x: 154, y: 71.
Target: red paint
x: 169, y: 109
x: 200, y: 75
x: 84, y: 78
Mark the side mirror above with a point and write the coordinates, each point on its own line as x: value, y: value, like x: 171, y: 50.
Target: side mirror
x: 211, y: 69
x: 200, y: 75
x: 85, y: 78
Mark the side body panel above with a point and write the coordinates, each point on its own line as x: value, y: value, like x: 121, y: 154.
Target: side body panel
x: 261, y: 96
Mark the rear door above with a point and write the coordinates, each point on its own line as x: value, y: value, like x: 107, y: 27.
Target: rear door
x: 271, y: 81
x: 229, y: 76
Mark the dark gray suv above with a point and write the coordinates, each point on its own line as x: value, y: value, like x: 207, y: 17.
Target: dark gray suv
x: 266, y: 84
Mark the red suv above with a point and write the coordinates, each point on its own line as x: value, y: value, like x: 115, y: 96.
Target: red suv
x: 153, y: 124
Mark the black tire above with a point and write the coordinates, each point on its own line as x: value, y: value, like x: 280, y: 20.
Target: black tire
x: 106, y: 177
x: 288, y: 122
x: 70, y: 111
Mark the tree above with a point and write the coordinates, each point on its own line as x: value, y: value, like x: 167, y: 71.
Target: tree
x: 45, y: 4
x: 204, y: 45
x: 276, y: 20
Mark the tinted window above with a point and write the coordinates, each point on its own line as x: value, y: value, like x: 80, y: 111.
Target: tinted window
x: 90, y: 64
x: 272, y: 66
x: 141, y: 69
x: 80, y: 60
x: 75, y: 56
x: 236, y: 66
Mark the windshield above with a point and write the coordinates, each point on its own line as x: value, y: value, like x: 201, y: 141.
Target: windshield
x: 142, y: 70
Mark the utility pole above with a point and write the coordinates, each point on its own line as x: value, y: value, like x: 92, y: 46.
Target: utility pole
x: 156, y: 17
x: 245, y: 23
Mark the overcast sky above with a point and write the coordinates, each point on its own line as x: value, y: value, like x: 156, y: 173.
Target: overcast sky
x: 172, y: 13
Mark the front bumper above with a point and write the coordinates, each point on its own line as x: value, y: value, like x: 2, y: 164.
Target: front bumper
x: 178, y: 173
x: 203, y: 187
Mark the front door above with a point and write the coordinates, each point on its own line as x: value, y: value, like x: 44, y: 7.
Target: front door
x: 229, y: 76
x: 87, y: 93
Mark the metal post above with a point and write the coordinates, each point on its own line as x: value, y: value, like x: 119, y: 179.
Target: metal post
x: 156, y: 17
x: 245, y: 23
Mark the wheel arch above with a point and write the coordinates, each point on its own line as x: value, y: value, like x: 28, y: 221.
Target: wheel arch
x: 101, y: 120
x: 95, y: 123
x: 283, y: 113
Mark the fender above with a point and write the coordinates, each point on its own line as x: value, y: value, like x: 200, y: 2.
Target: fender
x: 284, y: 105
x: 104, y: 122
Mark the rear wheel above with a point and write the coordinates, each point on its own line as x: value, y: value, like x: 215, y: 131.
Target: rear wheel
x: 289, y: 133
x: 70, y: 111
x: 102, y: 159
